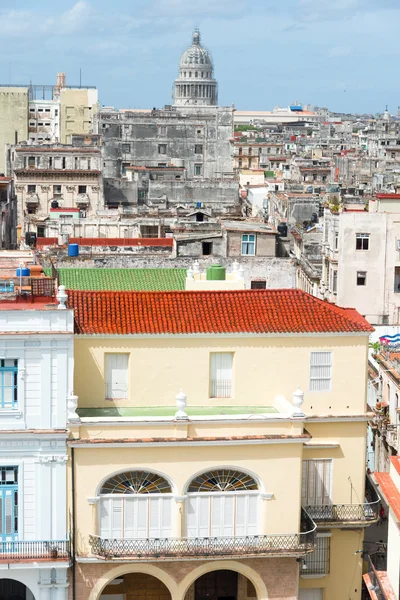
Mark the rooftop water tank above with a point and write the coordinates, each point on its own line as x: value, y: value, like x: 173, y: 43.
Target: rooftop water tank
x: 216, y: 273
x: 73, y: 249
x: 24, y: 272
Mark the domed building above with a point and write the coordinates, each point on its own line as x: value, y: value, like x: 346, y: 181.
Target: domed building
x: 195, y: 85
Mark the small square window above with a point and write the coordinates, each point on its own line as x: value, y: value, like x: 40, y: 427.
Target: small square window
x: 362, y: 241
x: 361, y: 278
x: 82, y: 189
x: 248, y: 244
x: 40, y: 110
x: 47, y: 110
x: 31, y: 109
x: 31, y: 161
x: 57, y: 191
x: 198, y: 149
x: 126, y: 148
x: 31, y: 189
x: 47, y: 124
x: 162, y: 148
x: 198, y: 169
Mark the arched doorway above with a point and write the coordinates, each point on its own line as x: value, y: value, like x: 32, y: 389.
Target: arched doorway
x: 222, y: 585
x: 10, y: 589
x: 135, y: 586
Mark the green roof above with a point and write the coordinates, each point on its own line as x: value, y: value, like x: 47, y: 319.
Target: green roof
x: 150, y: 280
x: 167, y: 411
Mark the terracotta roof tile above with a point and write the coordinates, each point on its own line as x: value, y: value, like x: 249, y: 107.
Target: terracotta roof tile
x: 183, y: 440
x: 191, y: 312
x: 390, y: 491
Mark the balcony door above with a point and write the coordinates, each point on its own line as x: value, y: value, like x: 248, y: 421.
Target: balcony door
x: 222, y: 503
x: 8, y: 504
x: 135, y: 505
x: 316, y: 482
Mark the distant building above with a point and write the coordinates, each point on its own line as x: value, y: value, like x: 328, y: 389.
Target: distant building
x: 13, y: 118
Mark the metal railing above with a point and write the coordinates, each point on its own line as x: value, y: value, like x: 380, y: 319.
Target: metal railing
x: 317, y: 562
x: 376, y: 583
x: 345, y: 513
x: 220, y: 388
x: 20, y: 550
x: 209, y: 547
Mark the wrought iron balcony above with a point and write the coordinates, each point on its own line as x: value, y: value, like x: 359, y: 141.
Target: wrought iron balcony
x: 296, y: 544
x: 40, y: 550
x: 344, y: 515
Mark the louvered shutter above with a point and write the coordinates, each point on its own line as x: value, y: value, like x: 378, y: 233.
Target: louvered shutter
x: 116, y: 516
x: 105, y: 520
x: 9, y: 513
x: 217, y: 525
x: 320, y: 371
x: 117, y: 375
x: 316, y: 482
x: 129, y: 517
x: 141, y: 517
x: 304, y: 483
x: 198, y: 516
x: 154, y: 518
x: 252, y: 515
x: 166, y: 517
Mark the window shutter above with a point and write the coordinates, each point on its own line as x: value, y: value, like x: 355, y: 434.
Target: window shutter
x: 141, y: 517
x: 116, y: 375
x: 192, y: 514
x: 320, y: 371
x: 105, y: 521
x: 154, y: 517
x: 9, y: 513
x: 216, y: 516
x: 252, y: 515
x: 166, y: 517
x: 241, y: 515
x: 316, y: 482
x: 228, y: 507
x: 116, y: 515
x: 129, y: 517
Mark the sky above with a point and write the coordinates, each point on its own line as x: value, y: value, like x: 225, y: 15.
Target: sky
x: 340, y: 54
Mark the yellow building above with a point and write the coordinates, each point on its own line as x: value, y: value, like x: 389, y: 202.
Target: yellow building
x: 77, y: 109
x: 241, y: 486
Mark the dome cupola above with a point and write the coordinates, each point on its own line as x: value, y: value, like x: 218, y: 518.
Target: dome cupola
x: 195, y: 85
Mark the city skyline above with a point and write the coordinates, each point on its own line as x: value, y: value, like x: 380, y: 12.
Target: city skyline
x: 345, y: 59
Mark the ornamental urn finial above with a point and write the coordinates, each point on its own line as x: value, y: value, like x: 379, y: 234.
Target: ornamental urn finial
x: 181, y: 398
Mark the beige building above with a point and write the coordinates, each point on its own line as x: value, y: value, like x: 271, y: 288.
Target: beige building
x: 13, y: 119
x: 55, y: 183
x: 240, y: 486
x: 77, y: 109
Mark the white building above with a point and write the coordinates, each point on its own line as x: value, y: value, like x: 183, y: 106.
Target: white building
x: 36, y: 378
x: 361, y: 259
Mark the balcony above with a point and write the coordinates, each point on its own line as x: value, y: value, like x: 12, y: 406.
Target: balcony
x: 345, y: 515
x: 296, y: 544
x: 20, y: 551
x: 32, y: 199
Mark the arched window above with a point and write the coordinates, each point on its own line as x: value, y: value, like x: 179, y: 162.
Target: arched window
x: 222, y: 502
x: 135, y: 504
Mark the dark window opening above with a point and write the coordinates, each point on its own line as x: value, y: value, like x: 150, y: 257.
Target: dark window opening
x: 258, y: 285
x: 206, y: 248
x: 361, y: 278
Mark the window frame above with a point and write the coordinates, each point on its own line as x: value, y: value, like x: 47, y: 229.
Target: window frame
x: 198, y: 170
x: 248, y: 243
x: 364, y: 241
x: 13, y: 403
x: 161, y: 148
x: 313, y: 378
x: 361, y: 276
x: 197, y: 150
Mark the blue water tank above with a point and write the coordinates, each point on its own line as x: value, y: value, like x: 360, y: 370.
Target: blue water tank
x: 73, y: 249
x: 24, y: 272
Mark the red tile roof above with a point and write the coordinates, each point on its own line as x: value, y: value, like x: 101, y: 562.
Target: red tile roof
x: 390, y: 491
x: 242, y: 311
x: 395, y: 460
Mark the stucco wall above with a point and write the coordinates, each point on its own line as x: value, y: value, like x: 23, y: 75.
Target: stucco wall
x: 159, y: 367
x: 13, y: 118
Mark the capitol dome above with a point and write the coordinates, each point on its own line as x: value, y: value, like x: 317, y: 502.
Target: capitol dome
x: 195, y: 85
x: 196, y: 54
